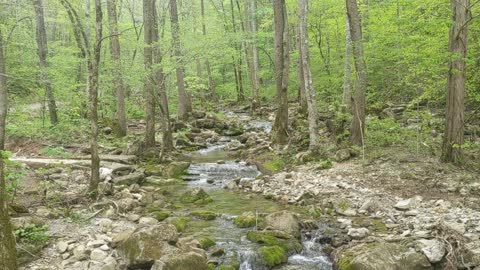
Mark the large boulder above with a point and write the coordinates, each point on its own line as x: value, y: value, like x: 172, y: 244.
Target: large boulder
x: 147, y: 244
x: 181, y: 261
x: 283, y: 221
x: 176, y: 169
x: 196, y: 195
x: 381, y: 256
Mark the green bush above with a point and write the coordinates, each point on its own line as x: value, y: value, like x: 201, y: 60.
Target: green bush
x: 32, y: 234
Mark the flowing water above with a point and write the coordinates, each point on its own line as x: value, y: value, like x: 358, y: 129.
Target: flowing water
x: 211, y: 169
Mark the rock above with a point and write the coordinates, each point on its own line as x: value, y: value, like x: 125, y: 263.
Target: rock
x: 381, y: 256
x: 105, y: 225
x: 147, y: 244
x: 44, y: 212
x: 145, y: 221
x: 405, y: 204
x: 199, y: 114
x: 182, y: 261
x: 232, y: 185
x: 287, y: 242
x: 217, y: 252
x: 434, y: 249
x: 80, y: 253
x: 129, y: 179
x: 245, y: 220
x: 133, y: 217
x: 456, y: 227
x: 359, y: 233
x: 203, y: 214
x: 205, y: 123
x: 273, y: 255
x: 342, y: 155
x: 196, y: 195
x: 98, y: 255
x: 283, y: 221
x: 62, y: 246
x: 176, y: 169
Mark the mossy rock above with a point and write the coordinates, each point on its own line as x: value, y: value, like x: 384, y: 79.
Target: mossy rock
x: 161, y: 215
x: 287, y: 242
x: 197, y: 196
x: 273, y: 255
x: 324, y: 164
x: 179, y: 222
x: 226, y: 267
x: 245, y: 220
x: 176, y: 169
x: 269, y: 163
x: 203, y: 214
x: 206, y: 242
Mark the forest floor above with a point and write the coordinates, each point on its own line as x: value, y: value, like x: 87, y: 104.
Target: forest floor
x: 402, y: 200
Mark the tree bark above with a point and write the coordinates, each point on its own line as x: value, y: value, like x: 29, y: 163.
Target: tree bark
x: 307, y: 76
x: 148, y: 17
x: 251, y: 22
x: 237, y: 62
x: 282, y: 59
x: 42, y: 50
x: 94, y: 65
x: 184, y: 103
x: 454, y: 119
x: 357, y: 126
x: 211, y: 83
x: 347, y: 80
x: 302, y: 95
x: 121, y: 120
x: 167, y: 138
x: 8, y: 256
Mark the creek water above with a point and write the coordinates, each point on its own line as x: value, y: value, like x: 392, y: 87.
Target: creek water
x: 211, y: 170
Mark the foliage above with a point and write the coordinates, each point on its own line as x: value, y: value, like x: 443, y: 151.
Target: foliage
x: 32, y: 233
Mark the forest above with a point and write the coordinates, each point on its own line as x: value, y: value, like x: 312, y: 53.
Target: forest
x: 239, y: 134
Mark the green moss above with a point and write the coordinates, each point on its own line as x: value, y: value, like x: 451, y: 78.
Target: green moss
x: 345, y: 262
x: 161, y: 215
x: 203, y: 214
x: 245, y: 220
x: 276, y: 238
x: 196, y: 196
x: 176, y: 169
x: 179, y: 222
x: 268, y: 196
x: 226, y: 267
x: 152, y: 208
x: 211, y: 266
x: 206, y: 242
x: 274, y: 165
x: 379, y: 225
x: 324, y: 164
x: 273, y: 255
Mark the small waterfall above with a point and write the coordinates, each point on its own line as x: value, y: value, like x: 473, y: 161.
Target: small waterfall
x: 312, y: 256
x: 199, y: 174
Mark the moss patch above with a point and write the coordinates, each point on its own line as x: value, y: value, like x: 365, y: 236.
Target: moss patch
x: 203, y: 214
x: 206, y: 242
x: 245, y: 220
x: 276, y: 238
x: 270, y: 163
x: 345, y: 262
x: 161, y: 215
x: 197, y: 196
x: 179, y: 222
x: 273, y: 255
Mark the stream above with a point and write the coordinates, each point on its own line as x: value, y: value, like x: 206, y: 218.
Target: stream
x: 211, y: 169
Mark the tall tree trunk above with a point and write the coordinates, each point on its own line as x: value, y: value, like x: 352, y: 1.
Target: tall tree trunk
x: 307, y: 75
x: 167, y: 138
x: 184, y: 103
x: 237, y: 63
x: 302, y: 93
x: 357, y: 126
x: 282, y: 59
x: 347, y: 80
x: 454, y: 118
x: 121, y: 125
x: 93, y: 72
x: 42, y: 54
x: 8, y: 256
x: 251, y: 22
x: 148, y: 15
x: 211, y: 83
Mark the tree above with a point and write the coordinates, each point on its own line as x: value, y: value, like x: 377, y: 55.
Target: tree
x: 121, y: 119
x: 307, y: 75
x: 211, y: 83
x: 8, y: 256
x: 159, y: 81
x: 282, y: 59
x: 93, y: 64
x: 357, y: 126
x: 149, y: 20
x: 347, y: 79
x: 184, y: 103
x: 454, y: 118
x: 251, y: 22
x: 42, y: 50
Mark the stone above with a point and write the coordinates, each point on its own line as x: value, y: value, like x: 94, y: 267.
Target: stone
x: 176, y: 169
x: 232, y: 185
x: 405, y: 204
x: 456, y: 227
x: 342, y: 155
x: 147, y: 221
x: 359, y: 233
x: 62, y: 246
x: 245, y: 220
x: 98, y: 255
x: 80, y: 253
x: 105, y: 225
x: 147, y: 244
x: 434, y: 249
x: 283, y: 221
x: 133, y: 217
x: 199, y: 114
x: 96, y: 243
x: 381, y: 256
x: 129, y: 179
x: 196, y: 195
x: 181, y: 261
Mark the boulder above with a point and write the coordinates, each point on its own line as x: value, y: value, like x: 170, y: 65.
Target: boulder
x: 342, y: 155
x: 283, y: 221
x: 381, y: 256
x: 359, y: 233
x: 129, y: 179
x: 434, y: 249
x: 199, y: 114
x: 245, y: 220
x: 405, y: 205
x: 181, y: 261
x: 196, y: 195
x: 176, y: 169
x: 147, y: 244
